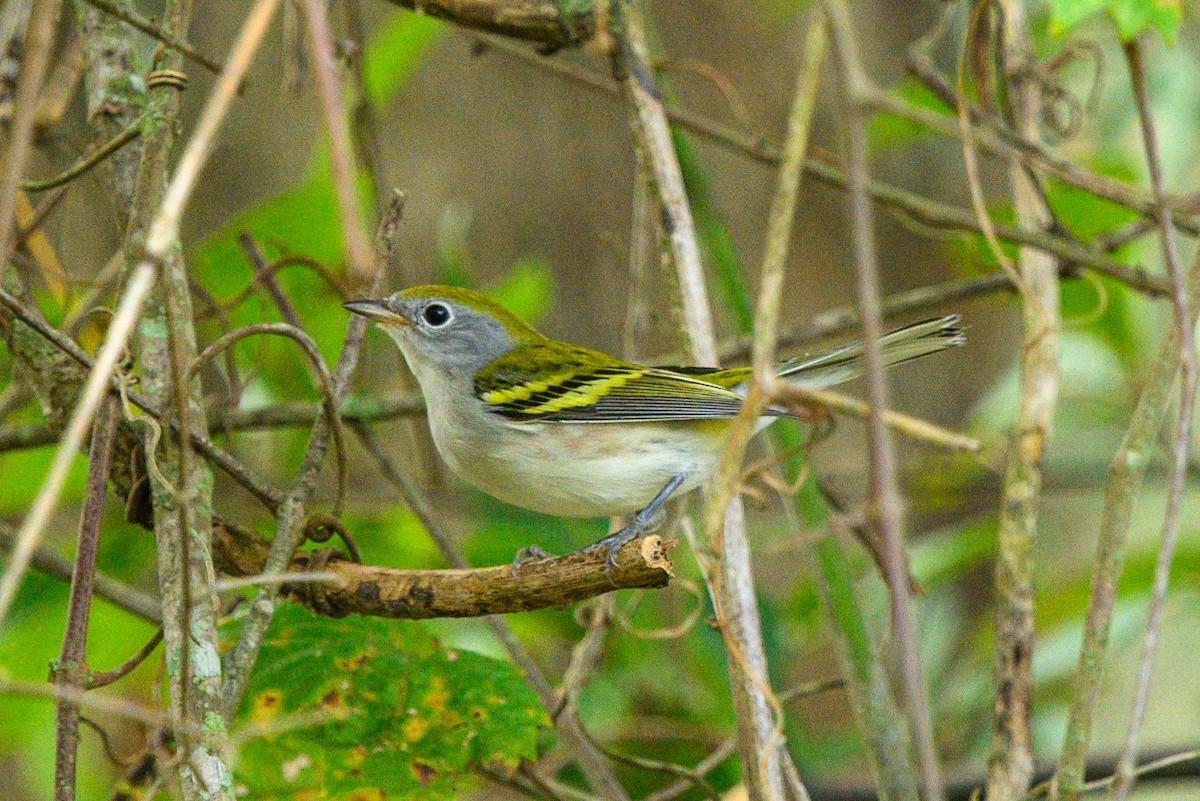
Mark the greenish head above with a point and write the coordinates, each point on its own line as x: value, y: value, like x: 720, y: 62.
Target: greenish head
x: 446, y: 327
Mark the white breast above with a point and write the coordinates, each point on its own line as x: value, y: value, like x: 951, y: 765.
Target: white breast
x: 574, y: 469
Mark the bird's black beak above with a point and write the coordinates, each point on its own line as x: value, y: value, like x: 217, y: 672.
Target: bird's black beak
x: 377, y: 310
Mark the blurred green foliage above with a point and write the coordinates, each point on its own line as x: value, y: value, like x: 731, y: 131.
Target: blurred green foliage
x: 1132, y: 17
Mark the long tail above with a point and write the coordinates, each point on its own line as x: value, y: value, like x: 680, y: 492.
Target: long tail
x: 901, y: 345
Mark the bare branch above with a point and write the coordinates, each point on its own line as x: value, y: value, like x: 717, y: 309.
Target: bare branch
x: 1010, y: 760
x: 1185, y: 332
x: 885, y: 501
x: 470, y: 592
x: 552, y: 23
x: 72, y: 668
x: 117, y: 593
x: 733, y: 592
x: 154, y: 31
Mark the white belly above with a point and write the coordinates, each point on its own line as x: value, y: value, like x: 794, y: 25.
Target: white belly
x: 578, y: 469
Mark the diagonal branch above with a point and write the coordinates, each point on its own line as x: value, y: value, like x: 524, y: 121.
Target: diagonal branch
x: 1185, y: 332
x: 733, y: 590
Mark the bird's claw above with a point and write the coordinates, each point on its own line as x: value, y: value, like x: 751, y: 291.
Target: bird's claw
x: 528, y: 554
x: 612, y: 544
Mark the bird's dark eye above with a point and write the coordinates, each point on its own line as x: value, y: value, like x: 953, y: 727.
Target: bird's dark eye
x: 436, y: 314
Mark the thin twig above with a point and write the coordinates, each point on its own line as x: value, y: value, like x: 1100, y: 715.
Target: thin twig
x: 264, y: 274
x: 97, y: 384
x: 1184, y: 331
x: 104, y: 678
x: 72, y: 668
x: 885, y: 501
x: 734, y: 592
x: 92, y: 159
x: 117, y: 593
x: 35, y: 57
x: 362, y: 267
x: 154, y: 31
x: 912, y: 427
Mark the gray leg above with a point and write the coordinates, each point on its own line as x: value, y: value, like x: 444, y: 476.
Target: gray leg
x: 642, y: 522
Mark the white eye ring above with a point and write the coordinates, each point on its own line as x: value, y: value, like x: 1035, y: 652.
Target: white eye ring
x: 437, y: 315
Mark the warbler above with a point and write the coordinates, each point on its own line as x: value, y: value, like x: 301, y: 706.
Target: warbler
x: 574, y: 432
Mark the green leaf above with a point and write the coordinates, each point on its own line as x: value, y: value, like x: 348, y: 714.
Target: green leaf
x: 394, y: 51
x: 1132, y: 17
x: 360, y: 709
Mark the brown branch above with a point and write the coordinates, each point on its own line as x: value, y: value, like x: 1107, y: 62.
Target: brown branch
x: 1185, y: 332
x: 552, y: 23
x: 116, y: 592
x: 154, y: 31
x: 885, y: 502
x: 473, y: 592
x: 103, y: 678
x: 903, y: 203
x: 72, y: 671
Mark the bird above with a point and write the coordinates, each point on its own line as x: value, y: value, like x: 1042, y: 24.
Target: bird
x: 574, y: 432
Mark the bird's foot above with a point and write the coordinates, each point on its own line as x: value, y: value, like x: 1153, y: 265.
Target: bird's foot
x: 528, y: 554
x: 612, y: 544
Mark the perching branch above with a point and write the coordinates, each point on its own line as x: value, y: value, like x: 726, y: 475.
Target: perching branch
x: 470, y: 592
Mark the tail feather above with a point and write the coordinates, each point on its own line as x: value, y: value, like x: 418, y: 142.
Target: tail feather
x: 901, y: 345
